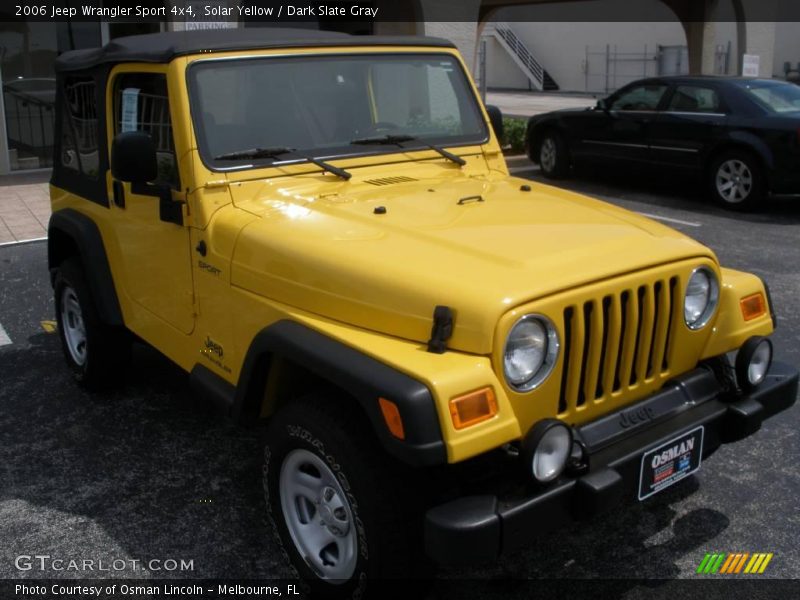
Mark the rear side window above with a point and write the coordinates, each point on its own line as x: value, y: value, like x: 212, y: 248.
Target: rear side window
x: 141, y: 103
x: 79, y: 130
x: 695, y: 99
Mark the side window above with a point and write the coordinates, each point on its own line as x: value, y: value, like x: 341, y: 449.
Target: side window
x: 689, y: 98
x: 141, y: 104
x: 639, y: 97
x: 79, y: 131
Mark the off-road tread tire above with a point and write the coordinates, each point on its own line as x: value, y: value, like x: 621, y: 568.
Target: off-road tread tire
x: 382, y: 499
x: 108, y: 347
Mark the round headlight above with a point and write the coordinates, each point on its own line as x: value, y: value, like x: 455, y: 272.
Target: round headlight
x: 702, y: 296
x: 530, y: 352
x: 753, y: 361
x: 546, y: 449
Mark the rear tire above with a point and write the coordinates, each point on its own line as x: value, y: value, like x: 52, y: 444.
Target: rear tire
x: 736, y: 181
x: 338, y: 504
x: 553, y: 155
x: 95, y: 352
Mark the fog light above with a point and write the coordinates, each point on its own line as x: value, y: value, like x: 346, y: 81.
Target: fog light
x: 753, y: 361
x: 546, y: 449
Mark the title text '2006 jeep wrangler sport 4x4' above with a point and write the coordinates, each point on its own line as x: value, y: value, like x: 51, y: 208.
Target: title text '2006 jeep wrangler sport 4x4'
x: 322, y: 231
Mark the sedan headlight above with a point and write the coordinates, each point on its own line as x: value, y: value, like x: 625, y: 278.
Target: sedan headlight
x: 702, y: 297
x: 530, y: 352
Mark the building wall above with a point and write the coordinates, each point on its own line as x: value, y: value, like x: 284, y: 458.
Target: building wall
x: 558, y: 39
x: 561, y: 49
x: 787, y: 45
x: 502, y: 71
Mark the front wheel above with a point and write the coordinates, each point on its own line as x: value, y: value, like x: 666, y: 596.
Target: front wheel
x: 553, y: 155
x: 95, y: 352
x: 337, y: 503
x: 736, y: 181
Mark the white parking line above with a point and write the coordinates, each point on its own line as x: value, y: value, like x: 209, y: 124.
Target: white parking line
x: 15, y: 243
x: 4, y: 339
x: 671, y: 220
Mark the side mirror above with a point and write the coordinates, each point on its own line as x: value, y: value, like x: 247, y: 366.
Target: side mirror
x: 496, y: 118
x: 602, y: 105
x: 133, y: 157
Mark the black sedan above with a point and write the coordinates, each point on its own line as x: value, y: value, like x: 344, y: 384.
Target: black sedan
x: 742, y: 135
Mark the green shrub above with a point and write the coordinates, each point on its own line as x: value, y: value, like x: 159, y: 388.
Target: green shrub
x: 514, y: 133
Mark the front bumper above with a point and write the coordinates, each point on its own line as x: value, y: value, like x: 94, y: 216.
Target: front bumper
x: 479, y: 528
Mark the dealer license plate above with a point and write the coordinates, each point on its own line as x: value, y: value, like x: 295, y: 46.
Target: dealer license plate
x: 670, y: 462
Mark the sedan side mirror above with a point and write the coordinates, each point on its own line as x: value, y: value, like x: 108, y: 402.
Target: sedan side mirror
x: 496, y: 118
x: 602, y: 105
x: 133, y: 157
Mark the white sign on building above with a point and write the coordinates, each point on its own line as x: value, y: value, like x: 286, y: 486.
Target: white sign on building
x: 750, y: 65
x: 201, y: 21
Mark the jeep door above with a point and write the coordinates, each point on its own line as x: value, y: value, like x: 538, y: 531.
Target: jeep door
x: 155, y: 254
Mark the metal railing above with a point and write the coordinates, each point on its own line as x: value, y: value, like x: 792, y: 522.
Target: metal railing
x: 519, y: 52
x: 30, y: 123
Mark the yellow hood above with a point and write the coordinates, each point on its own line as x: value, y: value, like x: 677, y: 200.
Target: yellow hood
x: 501, y: 246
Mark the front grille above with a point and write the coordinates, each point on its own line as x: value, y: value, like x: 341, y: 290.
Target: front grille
x: 617, y: 342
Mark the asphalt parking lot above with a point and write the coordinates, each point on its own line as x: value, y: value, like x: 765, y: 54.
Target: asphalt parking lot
x: 146, y: 473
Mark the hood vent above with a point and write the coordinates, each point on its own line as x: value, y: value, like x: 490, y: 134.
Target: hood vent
x: 389, y: 180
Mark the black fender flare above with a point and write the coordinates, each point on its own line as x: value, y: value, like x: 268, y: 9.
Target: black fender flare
x: 363, y: 377
x: 85, y: 235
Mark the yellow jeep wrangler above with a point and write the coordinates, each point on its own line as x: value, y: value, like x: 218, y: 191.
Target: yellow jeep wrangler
x: 321, y: 230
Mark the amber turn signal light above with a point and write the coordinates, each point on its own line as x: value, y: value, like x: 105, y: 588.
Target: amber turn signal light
x: 753, y: 306
x: 473, y: 408
x: 391, y: 414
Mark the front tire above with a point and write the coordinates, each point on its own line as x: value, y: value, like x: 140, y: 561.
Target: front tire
x: 337, y: 502
x: 736, y: 181
x: 95, y: 352
x: 553, y: 155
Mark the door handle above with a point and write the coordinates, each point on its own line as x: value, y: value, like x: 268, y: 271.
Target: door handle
x: 119, y: 193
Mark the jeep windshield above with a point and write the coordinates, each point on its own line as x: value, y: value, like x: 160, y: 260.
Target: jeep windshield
x: 330, y: 107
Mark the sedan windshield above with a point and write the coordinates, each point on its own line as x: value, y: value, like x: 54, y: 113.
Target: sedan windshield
x: 775, y: 97
x: 330, y: 106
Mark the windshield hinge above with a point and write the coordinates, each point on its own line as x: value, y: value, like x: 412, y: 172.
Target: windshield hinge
x: 216, y: 183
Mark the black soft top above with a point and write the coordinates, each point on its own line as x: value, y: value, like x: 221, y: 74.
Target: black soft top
x: 163, y: 47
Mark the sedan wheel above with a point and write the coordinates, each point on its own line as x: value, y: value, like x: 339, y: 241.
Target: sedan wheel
x: 547, y: 154
x: 736, y: 181
x: 553, y: 155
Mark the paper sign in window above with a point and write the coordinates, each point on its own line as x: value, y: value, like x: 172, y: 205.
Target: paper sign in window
x: 130, y: 109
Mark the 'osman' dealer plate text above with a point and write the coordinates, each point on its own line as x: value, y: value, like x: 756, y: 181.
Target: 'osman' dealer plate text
x: 670, y: 462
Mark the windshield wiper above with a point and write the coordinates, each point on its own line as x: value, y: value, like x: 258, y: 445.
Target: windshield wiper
x: 398, y: 140
x: 279, y: 151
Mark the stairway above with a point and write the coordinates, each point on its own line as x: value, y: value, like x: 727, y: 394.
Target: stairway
x: 518, y: 51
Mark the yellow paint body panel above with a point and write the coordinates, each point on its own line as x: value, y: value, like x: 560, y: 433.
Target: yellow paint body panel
x: 293, y: 242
